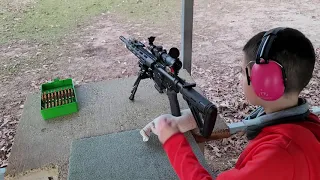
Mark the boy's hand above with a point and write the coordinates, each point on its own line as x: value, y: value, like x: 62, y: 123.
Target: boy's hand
x: 165, y: 129
x: 184, y: 123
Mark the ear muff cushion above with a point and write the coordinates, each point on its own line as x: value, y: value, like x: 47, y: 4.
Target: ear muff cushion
x: 267, y: 81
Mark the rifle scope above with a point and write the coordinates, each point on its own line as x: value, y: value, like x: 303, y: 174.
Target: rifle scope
x: 172, y: 59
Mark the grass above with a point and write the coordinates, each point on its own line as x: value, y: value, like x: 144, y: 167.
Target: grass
x: 47, y: 20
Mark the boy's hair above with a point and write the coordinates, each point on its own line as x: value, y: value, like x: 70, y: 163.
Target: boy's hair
x: 293, y: 50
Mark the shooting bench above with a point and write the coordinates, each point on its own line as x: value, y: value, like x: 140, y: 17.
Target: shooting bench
x: 102, y: 140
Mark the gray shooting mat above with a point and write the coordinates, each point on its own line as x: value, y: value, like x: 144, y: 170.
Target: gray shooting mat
x: 121, y: 156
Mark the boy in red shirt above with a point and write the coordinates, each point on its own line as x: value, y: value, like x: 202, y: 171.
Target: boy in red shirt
x: 285, y: 144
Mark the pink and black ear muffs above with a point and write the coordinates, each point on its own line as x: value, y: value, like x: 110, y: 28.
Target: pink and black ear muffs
x: 267, y: 76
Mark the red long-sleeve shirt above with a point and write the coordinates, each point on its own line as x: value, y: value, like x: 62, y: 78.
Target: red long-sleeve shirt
x: 279, y: 152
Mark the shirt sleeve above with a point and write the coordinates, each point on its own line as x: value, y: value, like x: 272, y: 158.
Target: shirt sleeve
x: 268, y: 162
x: 183, y: 160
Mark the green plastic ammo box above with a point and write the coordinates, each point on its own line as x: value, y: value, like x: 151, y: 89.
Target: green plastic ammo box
x: 58, y: 98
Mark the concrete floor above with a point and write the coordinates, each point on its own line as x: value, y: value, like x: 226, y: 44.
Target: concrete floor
x: 104, y: 108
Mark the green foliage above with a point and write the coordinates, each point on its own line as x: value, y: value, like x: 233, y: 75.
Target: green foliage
x: 47, y: 20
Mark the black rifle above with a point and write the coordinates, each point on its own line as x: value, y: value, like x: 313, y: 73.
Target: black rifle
x: 163, y: 68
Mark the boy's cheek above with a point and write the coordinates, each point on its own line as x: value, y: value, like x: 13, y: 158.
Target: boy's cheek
x: 243, y: 81
x: 251, y: 96
x: 247, y: 90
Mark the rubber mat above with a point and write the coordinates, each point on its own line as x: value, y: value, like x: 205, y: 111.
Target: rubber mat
x: 122, y: 156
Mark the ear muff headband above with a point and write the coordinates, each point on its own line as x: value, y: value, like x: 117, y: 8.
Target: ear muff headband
x: 266, y: 44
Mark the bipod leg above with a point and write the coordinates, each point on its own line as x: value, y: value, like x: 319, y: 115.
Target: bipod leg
x: 142, y: 75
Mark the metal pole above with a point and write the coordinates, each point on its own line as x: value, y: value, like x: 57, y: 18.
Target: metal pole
x: 186, y: 28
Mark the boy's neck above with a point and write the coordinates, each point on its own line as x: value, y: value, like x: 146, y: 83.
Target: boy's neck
x: 281, y: 104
